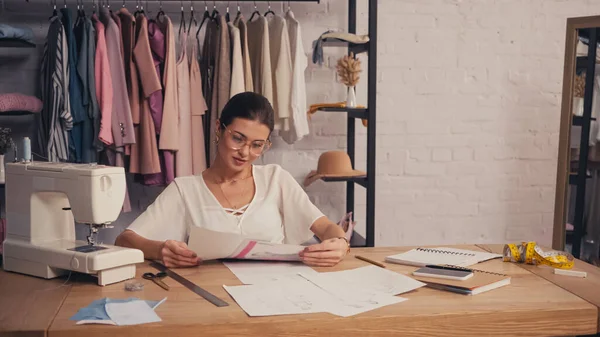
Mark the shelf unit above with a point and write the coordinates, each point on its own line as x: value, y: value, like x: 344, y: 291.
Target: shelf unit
x: 368, y: 114
x: 15, y: 43
x: 579, y: 179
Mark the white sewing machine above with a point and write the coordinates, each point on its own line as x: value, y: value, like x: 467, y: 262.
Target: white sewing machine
x: 43, y: 201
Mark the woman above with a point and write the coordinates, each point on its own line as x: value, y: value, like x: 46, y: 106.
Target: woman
x: 233, y: 195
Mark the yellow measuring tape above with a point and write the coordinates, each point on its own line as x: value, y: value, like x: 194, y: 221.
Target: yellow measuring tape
x: 531, y: 253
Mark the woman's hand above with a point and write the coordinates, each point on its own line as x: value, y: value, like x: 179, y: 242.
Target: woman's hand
x: 325, y: 254
x: 176, y: 254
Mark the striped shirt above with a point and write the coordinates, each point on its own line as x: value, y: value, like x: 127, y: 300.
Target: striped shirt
x: 55, y: 120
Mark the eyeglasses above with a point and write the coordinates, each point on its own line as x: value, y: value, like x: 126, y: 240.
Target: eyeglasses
x: 236, y: 141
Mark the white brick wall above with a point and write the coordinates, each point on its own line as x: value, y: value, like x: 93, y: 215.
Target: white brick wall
x: 468, y: 115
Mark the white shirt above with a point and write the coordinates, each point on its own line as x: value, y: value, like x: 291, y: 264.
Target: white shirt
x: 279, y: 212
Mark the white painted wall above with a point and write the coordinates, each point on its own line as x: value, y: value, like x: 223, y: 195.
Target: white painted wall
x: 468, y: 114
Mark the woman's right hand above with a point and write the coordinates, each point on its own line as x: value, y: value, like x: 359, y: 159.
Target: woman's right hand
x: 176, y: 254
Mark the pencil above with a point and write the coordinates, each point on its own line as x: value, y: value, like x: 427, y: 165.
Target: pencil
x: 370, y: 261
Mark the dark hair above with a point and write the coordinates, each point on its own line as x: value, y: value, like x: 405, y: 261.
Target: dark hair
x: 249, y: 105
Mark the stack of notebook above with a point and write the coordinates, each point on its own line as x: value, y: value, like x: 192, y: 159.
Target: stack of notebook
x: 441, y: 256
x: 481, y: 281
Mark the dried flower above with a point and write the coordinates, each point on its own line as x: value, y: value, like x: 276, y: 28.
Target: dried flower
x: 348, y: 70
x: 6, y: 142
x: 579, y: 85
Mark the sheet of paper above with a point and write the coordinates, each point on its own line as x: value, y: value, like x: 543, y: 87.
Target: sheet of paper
x: 294, y: 296
x: 308, y: 293
x: 373, y: 278
x: 347, y: 300
x: 211, y: 245
x: 131, y: 313
x: 255, y: 272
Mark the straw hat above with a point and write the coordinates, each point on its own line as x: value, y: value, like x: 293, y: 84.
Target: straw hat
x: 334, y: 164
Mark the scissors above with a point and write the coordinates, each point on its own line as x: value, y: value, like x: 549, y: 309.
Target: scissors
x: 156, y: 278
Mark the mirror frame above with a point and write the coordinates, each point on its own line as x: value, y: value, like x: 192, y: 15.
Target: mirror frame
x: 566, y: 120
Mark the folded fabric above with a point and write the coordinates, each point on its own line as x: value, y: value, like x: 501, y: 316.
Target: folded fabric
x: 317, y: 56
x: 19, y: 102
x: 10, y: 32
x: 96, y: 311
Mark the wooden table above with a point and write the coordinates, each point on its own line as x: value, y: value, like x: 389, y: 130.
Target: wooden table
x: 530, y: 306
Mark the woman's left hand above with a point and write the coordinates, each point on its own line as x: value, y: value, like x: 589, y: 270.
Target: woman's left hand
x: 325, y: 254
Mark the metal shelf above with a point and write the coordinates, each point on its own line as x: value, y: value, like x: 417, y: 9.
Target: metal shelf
x: 579, y: 120
x: 16, y: 113
x: 15, y: 43
x: 573, y: 178
x: 362, y: 181
x: 356, y: 48
x: 361, y: 113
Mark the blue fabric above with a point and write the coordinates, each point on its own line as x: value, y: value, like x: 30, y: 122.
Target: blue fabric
x: 10, y: 32
x: 96, y: 310
x: 78, y: 111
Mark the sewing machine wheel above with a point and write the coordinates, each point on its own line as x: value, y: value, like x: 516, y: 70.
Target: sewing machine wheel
x: 87, y: 249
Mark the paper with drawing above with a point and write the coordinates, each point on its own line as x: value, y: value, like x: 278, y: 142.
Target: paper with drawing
x: 255, y: 272
x: 211, y: 245
x: 278, y: 291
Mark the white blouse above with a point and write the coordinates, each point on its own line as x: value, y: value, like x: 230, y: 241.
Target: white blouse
x: 279, y: 212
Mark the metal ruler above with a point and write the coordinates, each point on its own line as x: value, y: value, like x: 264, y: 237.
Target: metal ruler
x: 191, y: 286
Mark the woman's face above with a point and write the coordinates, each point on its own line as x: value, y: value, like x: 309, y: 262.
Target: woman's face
x: 241, y: 142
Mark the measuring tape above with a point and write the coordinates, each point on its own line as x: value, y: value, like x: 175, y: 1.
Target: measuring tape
x: 531, y: 253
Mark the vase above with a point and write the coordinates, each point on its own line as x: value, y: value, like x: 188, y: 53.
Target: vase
x: 2, y: 173
x: 351, y: 99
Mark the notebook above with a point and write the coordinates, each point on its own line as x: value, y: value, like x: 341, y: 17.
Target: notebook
x: 421, y: 257
x: 481, y: 281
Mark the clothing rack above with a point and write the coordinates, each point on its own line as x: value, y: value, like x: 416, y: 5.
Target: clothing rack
x: 579, y: 179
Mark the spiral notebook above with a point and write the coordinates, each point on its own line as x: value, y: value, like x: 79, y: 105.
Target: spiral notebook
x: 481, y: 281
x: 421, y: 257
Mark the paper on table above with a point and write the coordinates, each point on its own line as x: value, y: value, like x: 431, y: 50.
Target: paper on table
x: 211, y: 245
x: 347, y: 300
x: 131, y: 313
x: 295, y: 296
x: 254, y: 272
x: 307, y: 293
x: 373, y: 278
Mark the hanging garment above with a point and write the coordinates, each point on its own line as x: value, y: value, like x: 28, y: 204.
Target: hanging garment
x: 281, y: 70
x: 144, y: 157
x: 260, y: 57
x: 299, y: 120
x: 122, y: 125
x: 128, y: 30
x: 207, y: 69
x: 183, y: 157
x: 240, y: 22
x: 237, y: 67
x: 169, y: 130
x: 157, y: 43
x: 117, y: 20
x: 104, y: 90
x: 221, y: 80
x: 55, y: 119
x: 84, y: 37
x: 198, y: 109
x: 78, y: 111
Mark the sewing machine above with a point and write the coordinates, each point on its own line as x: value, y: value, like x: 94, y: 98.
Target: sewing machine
x: 43, y: 202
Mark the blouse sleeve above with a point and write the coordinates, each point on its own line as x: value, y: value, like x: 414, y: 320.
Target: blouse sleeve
x: 298, y: 212
x: 165, y: 218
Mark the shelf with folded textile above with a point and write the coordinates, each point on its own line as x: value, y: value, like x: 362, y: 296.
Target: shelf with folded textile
x: 15, y: 43
x: 360, y: 113
x: 355, y: 48
x: 362, y: 181
x: 16, y: 113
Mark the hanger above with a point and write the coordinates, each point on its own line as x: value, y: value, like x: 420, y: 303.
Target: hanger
x: 192, y: 18
x: 227, y: 15
x: 182, y: 21
x: 255, y: 12
x: 204, y: 17
x: 215, y: 12
x: 160, y: 12
x: 269, y: 11
x: 54, y: 11
x: 239, y: 12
